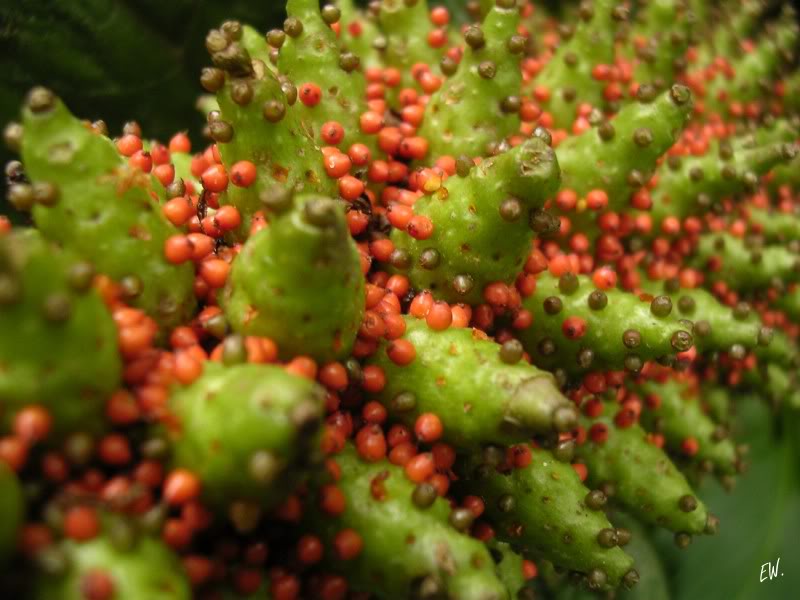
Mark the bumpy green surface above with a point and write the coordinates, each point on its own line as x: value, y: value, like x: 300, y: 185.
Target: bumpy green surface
x: 44, y: 361
x: 11, y: 511
x: 664, y: 48
x: 679, y: 416
x: 357, y: 32
x: 717, y: 327
x: 146, y: 569
x: 470, y: 235
x: 405, y: 31
x: 231, y: 414
x: 313, y: 57
x: 592, y: 43
x: 589, y: 162
x: 404, y: 543
x: 547, y: 516
x: 466, y: 114
x: 761, y: 64
x: 605, y: 328
x: 743, y: 268
x: 688, y: 185
x: 775, y: 225
x: 739, y: 21
x: 285, y: 153
x: 477, y: 396
x: 104, y: 212
x: 509, y: 567
x: 646, y: 481
x: 789, y: 302
x: 300, y: 283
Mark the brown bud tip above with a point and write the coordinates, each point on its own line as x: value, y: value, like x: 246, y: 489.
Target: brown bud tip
x: 630, y: 579
x: 712, y: 524
x: 680, y: 94
x: 40, y: 99
x: 687, y: 503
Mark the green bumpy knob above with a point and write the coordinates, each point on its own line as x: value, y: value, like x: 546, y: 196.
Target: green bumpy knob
x: 662, y: 54
x: 266, y: 129
x: 478, y: 397
x: 676, y: 412
x: 478, y: 105
x: 645, y: 480
x: 482, y: 224
x: 578, y: 327
x: 691, y: 185
x: 52, y: 321
x: 405, y: 27
x: 725, y: 258
x: 543, y: 509
x: 716, y: 327
x: 299, y: 281
x: 619, y: 156
x: 314, y: 56
x: 568, y: 74
x: 246, y: 432
x: 128, y: 566
x: 408, y: 541
x: 101, y: 209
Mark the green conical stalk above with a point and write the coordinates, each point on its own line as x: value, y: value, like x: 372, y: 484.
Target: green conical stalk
x: 405, y: 27
x: 774, y: 225
x: 618, y: 157
x: 482, y: 223
x: 645, y: 480
x: 719, y: 328
x: 103, y: 210
x: 314, y: 57
x: 679, y: 415
x: 299, y: 282
x: 568, y: 74
x: 541, y: 509
x: 662, y: 53
x: 690, y: 185
x: 762, y: 64
x: 270, y: 133
x: 728, y: 259
x: 246, y: 432
x: 738, y: 22
x: 136, y: 566
x: 479, y: 398
x: 357, y: 33
x: 59, y: 343
x: 475, y: 107
x: 622, y: 330
x: 406, y: 546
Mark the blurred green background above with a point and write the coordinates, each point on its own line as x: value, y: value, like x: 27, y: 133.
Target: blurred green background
x: 140, y: 59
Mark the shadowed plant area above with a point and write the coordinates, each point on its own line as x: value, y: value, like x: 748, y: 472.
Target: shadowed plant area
x: 344, y: 300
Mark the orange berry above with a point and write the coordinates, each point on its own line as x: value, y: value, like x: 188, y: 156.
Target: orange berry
x: 215, y: 178
x: 428, y: 427
x: 310, y: 94
x: 347, y: 544
x: 181, y: 486
x: 401, y: 352
x: 420, y: 467
x: 332, y: 500
x: 81, y: 523
x: 309, y: 549
x: 33, y: 423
